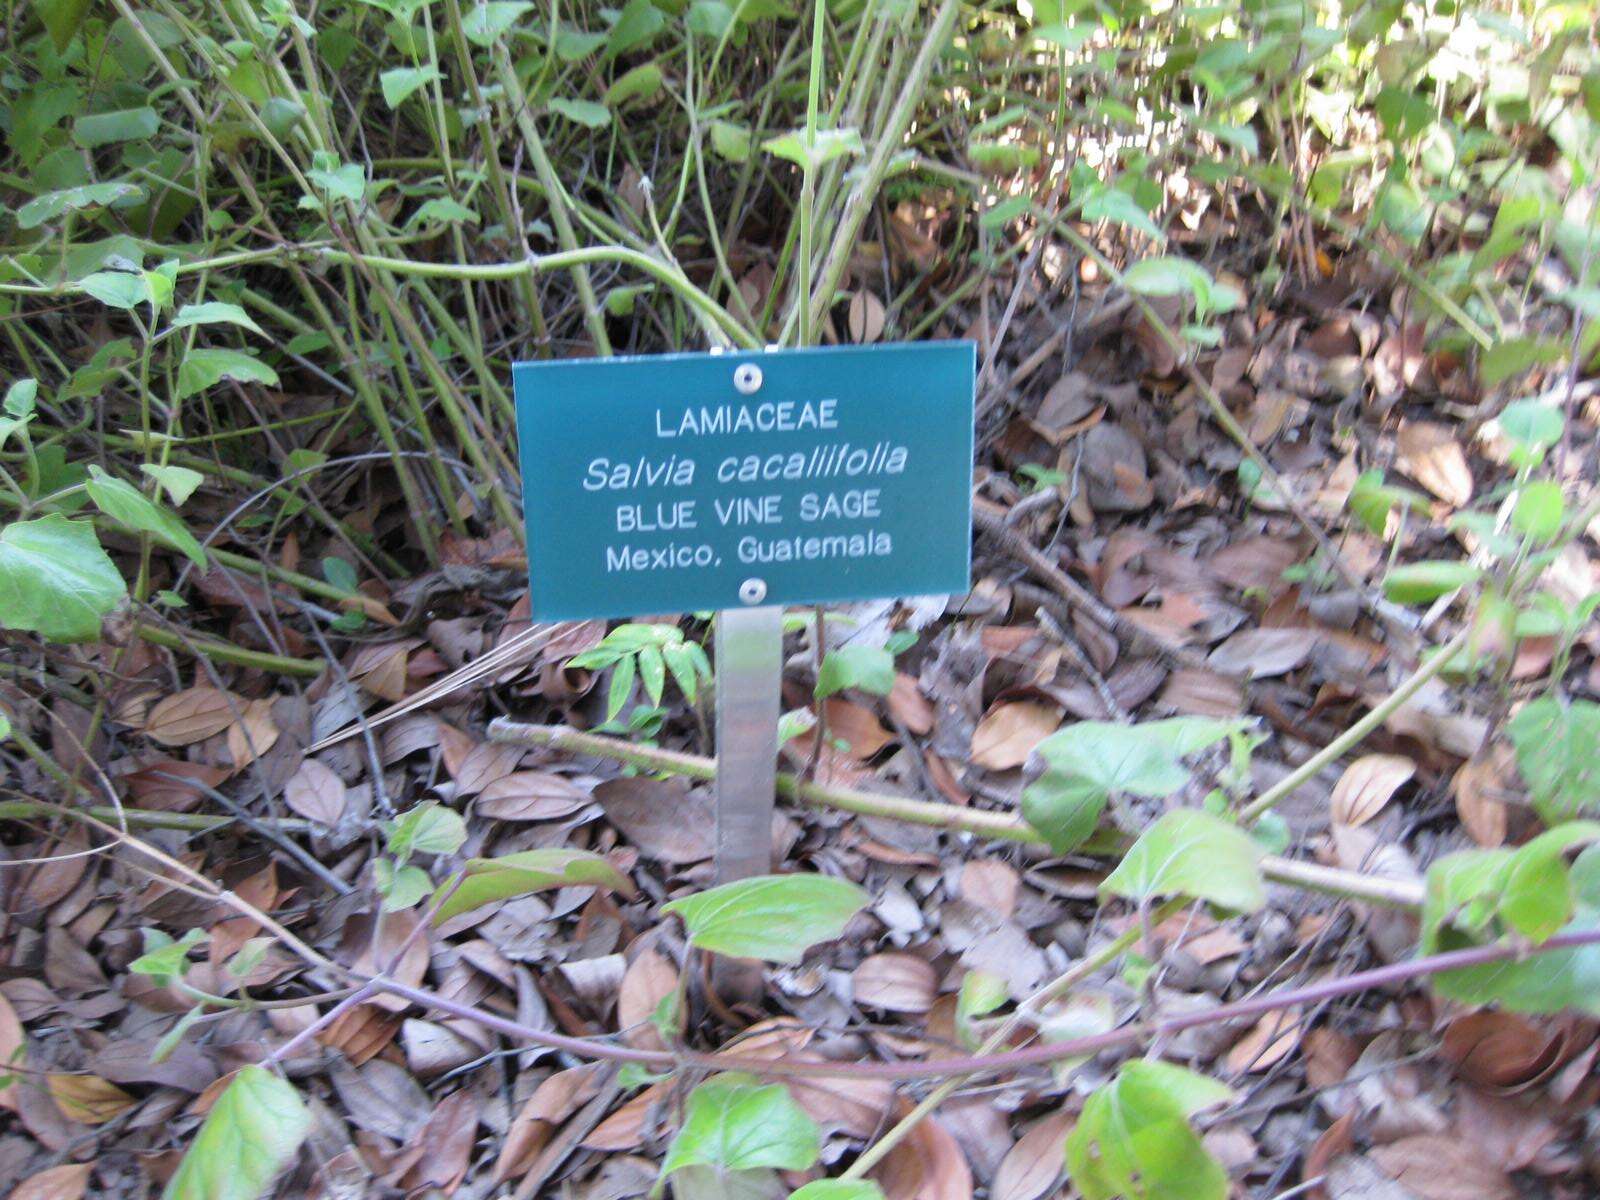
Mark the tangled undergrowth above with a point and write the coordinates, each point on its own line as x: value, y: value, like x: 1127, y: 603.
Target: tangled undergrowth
x: 1234, y: 835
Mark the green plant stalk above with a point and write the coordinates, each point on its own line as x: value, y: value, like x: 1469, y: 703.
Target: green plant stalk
x: 1352, y: 737
x: 276, y: 664
x: 983, y: 823
x: 144, y: 818
x: 1002, y: 1034
x: 555, y: 197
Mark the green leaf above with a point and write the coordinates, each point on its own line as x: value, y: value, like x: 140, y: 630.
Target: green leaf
x: 1106, y: 203
x: 1087, y: 762
x: 1418, y: 583
x: 1556, y: 746
x: 21, y: 398
x: 400, y: 887
x: 178, y: 482
x: 105, y: 129
x: 1133, y: 1140
x: 870, y: 668
x: 487, y: 23
x: 1168, y: 275
x: 442, y: 208
x: 622, y: 677
x: 398, y: 83
x: 1188, y: 852
x: 981, y: 993
x: 208, y: 366
x: 636, y: 25
x: 116, y: 289
x: 839, y: 1189
x: 165, y: 960
x: 62, y: 19
x: 1539, y: 510
x: 251, y: 1134
x: 730, y: 141
x: 640, y: 83
x: 735, y: 1123
x: 55, y: 579
x: 429, y: 828
x: 771, y: 917
x: 581, y: 112
x: 90, y: 195
x: 214, y: 312
x: 128, y: 506
x: 652, y: 672
x: 1532, y: 428
x: 1372, y: 500
x: 484, y: 880
x: 810, y: 153
x: 1515, y: 355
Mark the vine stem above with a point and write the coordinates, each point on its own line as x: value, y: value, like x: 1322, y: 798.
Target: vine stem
x: 1394, y: 893
x: 1376, y: 716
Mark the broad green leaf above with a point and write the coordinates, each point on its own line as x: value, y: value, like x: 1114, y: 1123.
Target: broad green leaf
x: 429, y: 828
x: 870, y: 668
x: 399, y: 83
x: 581, y: 112
x: 442, y: 208
x: 1112, y: 204
x: 128, y: 506
x: 709, y: 18
x: 1558, y: 754
x: 771, y: 917
x: 400, y: 887
x: 214, y: 312
x: 730, y: 141
x: 90, y: 195
x: 839, y: 1189
x: 1188, y: 852
x: 652, y: 672
x: 116, y: 289
x: 1537, y: 895
x: 178, y: 482
x: 251, y: 1134
x: 62, y: 19
x: 640, y: 83
x: 21, y: 398
x: 485, y: 24
x: 1133, y: 1140
x: 1418, y: 583
x: 208, y: 366
x: 1515, y: 355
x: 165, y: 960
x: 484, y: 880
x: 636, y: 25
x: 1169, y: 276
x: 735, y: 1123
x: 1539, y: 510
x: 1532, y: 428
x: 104, y: 129
x: 1372, y: 500
x: 809, y: 153
x: 55, y: 580
x: 1086, y: 763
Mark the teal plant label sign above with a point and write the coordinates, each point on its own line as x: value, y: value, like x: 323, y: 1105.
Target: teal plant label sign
x: 701, y: 481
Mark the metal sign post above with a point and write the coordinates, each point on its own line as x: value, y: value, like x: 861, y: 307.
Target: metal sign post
x: 749, y: 656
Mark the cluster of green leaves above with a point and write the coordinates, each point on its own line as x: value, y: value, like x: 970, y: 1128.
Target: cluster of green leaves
x: 1546, y: 886
x: 647, y: 653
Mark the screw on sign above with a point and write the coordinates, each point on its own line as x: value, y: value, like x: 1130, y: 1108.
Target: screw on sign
x: 688, y: 482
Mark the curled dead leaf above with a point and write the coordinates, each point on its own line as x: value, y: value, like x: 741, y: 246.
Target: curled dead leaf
x: 896, y: 982
x: 1367, y: 785
x: 1268, y: 1042
x: 1009, y: 732
x: 192, y: 716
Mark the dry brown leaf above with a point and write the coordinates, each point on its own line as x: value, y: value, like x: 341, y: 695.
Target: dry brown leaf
x: 1431, y: 455
x: 1261, y: 653
x: 394, y: 934
x: 624, y: 1129
x: 381, y: 668
x: 909, y: 706
x: 1336, y: 1139
x: 253, y: 734
x: 665, y: 819
x: 896, y: 982
x: 1009, y: 732
x: 191, y: 716
x: 88, y: 1099
x: 173, y: 784
x: 486, y: 763
x: 926, y: 1165
x: 1367, y: 785
x: 852, y: 1106
x: 52, y: 880
x: 1254, y: 563
x: 316, y: 793
x: 1202, y: 694
x: 1034, y: 1165
x: 445, y: 1144
x: 1510, y: 1130
x: 1480, y: 790
x: 12, y: 1043
x: 361, y: 1033
x: 531, y: 796
x: 865, y: 317
x: 1500, y: 1049
x: 991, y: 884
x: 552, y: 1102
x: 1443, y: 1168
x: 649, y: 979
x: 1268, y: 1042
x: 66, y: 1182
x: 856, y: 726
